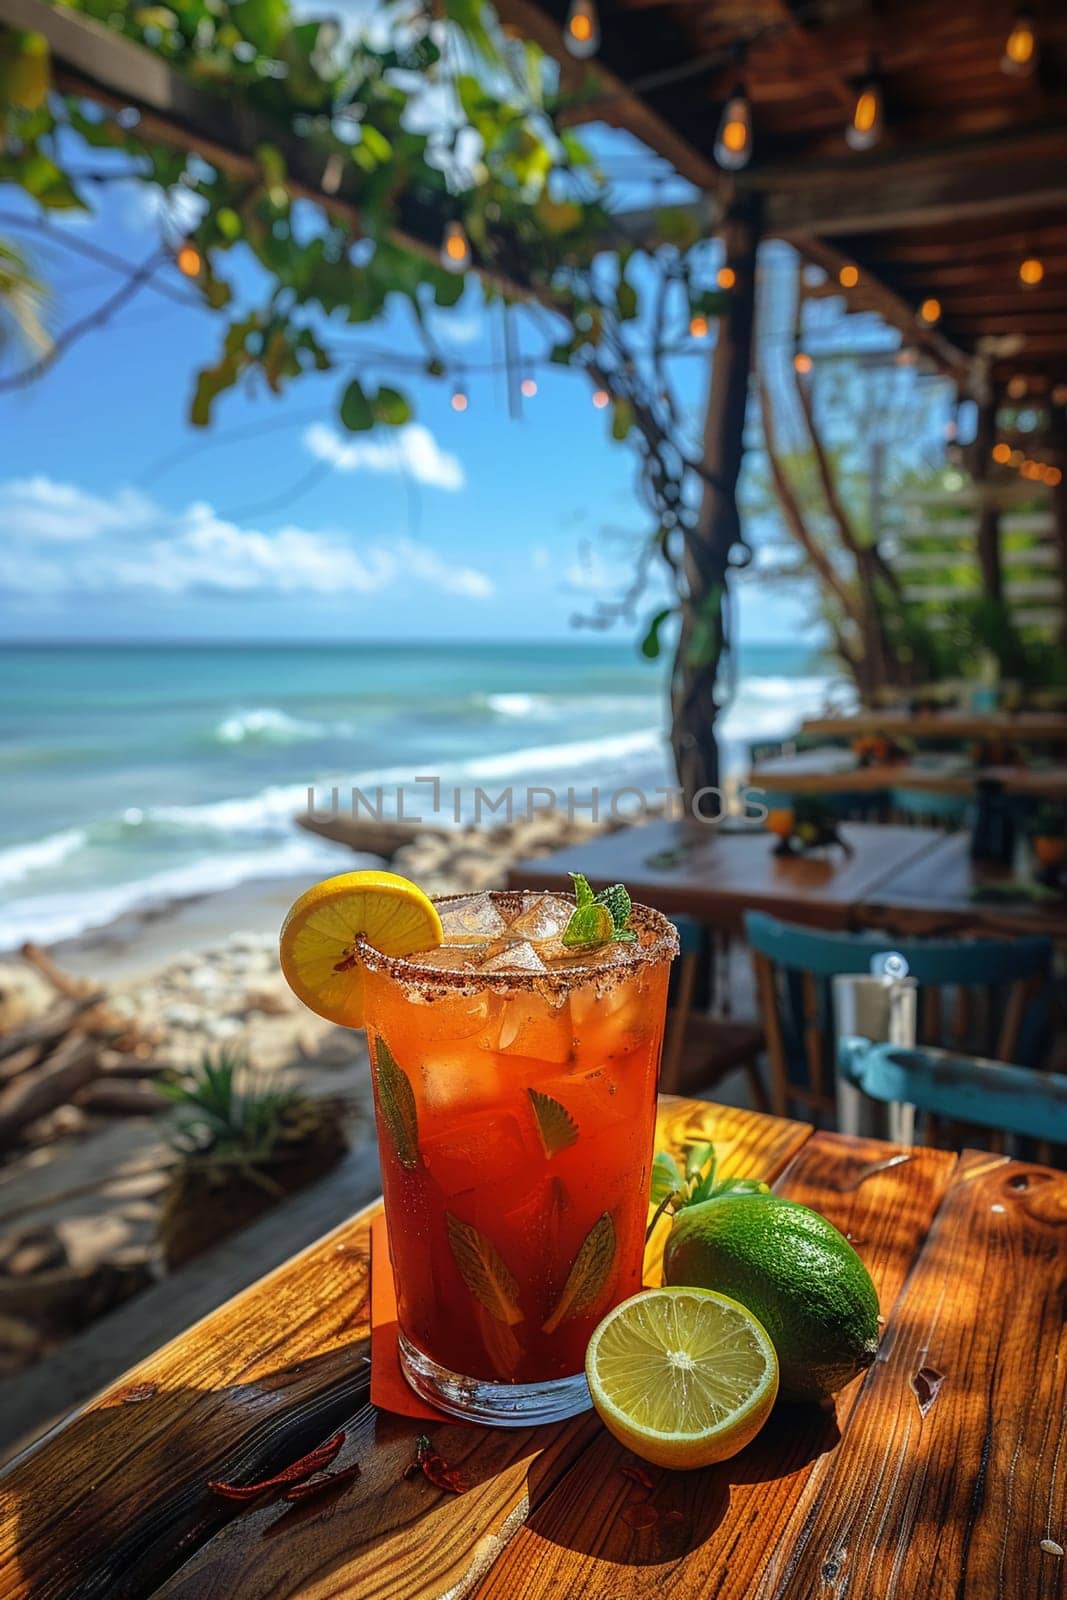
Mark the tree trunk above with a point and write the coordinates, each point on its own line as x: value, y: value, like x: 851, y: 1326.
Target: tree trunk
x: 702, y: 639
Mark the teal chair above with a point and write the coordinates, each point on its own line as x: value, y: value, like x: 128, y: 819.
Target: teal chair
x: 927, y: 808
x: 986, y: 997
x: 1009, y: 1099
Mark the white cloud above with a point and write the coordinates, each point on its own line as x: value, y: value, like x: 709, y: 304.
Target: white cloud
x: 195, y: 551
x: 412, y: 449
x: 40, y: 509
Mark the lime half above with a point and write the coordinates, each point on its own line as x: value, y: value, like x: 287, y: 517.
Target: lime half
x: 682, y: 1377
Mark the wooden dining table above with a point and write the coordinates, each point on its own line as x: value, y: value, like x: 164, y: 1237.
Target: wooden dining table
x: 716, y: 875
x: 940, y: 1472
x: 830, y: 770
x: 1017, y: 727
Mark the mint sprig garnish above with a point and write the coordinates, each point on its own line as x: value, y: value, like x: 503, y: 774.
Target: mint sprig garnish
x: 599, y: 918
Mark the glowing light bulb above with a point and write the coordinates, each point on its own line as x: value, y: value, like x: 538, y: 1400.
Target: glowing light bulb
x: 1059, y: 395
x: 802, y: 362
x: 1016, y: 458
x: 455, y: 248
x: 733, y: 142
x: 867, y: 123
x: 930, y: 311
x: 189, y: 260
x: 1031, y: 272
x: 1020, y: 47
x: 848, y: 277
x: 528, y: 387
x: 581, y: 31
x: 1002, y: 453
x: 1016, y: 387
x: 1053, y: 477
x: 698, y: 327
x: 459, y: 400
x: 601, y: 398
x: 726, y: 277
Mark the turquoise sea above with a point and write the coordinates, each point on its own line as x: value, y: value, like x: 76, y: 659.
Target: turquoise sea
x: 135, y: 775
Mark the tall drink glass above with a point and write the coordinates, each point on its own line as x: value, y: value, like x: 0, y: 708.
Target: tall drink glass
x: 515, y: 1089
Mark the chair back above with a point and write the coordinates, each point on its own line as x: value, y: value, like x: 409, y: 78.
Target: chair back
x: 1011, y: 1099
x: 986, y: 996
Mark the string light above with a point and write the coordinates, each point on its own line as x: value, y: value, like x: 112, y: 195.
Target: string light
x: 1031, y: 272
x: 930, y: 311
x: 1016, y: 387
x: 802, y: 362
x: 1020, y: 47
x: 455, y: 248
x: 867, y: 122
x: 601, y: 398
x: 698, y: 327
x: 1059, y: 395
x: 1002, y: 453
x: 189, y: 260
x: 581, y: 31
x: 528, y: 387
x: 1053, y: 477
x: 848, y: 277
x: 1016, y: 458
x: 459, y: 399
x: 733, y: 141
x: 726, y: 277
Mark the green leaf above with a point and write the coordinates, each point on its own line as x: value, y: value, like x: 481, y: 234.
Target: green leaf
x: 626, y: 297
x: 650, y: 644
x: 622, y: 419
x: 617, y: 899
x: 356, y: 413
x: 396, y: 1102
x: 590, y: 924
x: 588, y: 1276
x: 666, y: 1177
x: 696, y: 1156
x: 555, y: 1124
x: 391, y: 407
x: 484, y: 1271
x: 583, y: 891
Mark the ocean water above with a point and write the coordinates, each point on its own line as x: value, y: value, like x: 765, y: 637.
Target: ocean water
x: 135, y: 775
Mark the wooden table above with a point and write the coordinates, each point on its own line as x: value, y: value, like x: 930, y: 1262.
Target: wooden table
x: 835, y: 771
x: 1029, y: 727
x: 889, y: 1496
x: 717, y: 877
x: 935, y: 895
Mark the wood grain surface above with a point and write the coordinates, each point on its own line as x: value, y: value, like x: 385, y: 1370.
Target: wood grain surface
x: 114, y: 1504
x: 717, y: 877
x: 715, y: 1530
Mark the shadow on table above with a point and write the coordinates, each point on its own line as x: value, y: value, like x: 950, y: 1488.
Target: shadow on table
x: 603, y: 1509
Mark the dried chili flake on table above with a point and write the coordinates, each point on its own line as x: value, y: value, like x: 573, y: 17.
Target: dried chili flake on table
x: 324, y: 1485
x: 639, y: 1515
x: 434, y: 1467
x: 637, y: 1474
x: 306, y: 1467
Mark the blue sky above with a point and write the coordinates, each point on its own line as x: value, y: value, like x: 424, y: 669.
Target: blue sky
x: 122, y: 521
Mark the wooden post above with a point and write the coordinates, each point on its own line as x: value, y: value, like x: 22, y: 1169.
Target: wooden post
x: 694, y: 705
x: 1057, y: 434
x: 988, y: 511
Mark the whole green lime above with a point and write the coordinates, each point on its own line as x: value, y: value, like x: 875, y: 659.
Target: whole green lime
x: 795, y: 1272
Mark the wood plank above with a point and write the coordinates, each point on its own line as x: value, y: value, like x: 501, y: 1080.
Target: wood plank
x: 578, y: 1543
x: 117, y: 1495
x: 968, y: 1490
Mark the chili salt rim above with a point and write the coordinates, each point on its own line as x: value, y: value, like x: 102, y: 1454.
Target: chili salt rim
x: 631, y: 956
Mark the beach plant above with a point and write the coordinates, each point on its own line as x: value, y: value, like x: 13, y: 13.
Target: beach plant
x: 224, y: 1114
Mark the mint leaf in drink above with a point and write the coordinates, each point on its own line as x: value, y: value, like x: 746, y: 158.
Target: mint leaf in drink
x: 583, y: 891
x: 396, y: 1100
x: 590, y: 924
x: 588, y: 1276
x: 555, y: 1124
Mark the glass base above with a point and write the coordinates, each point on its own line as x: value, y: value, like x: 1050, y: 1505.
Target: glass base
x: 502, y: 1405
